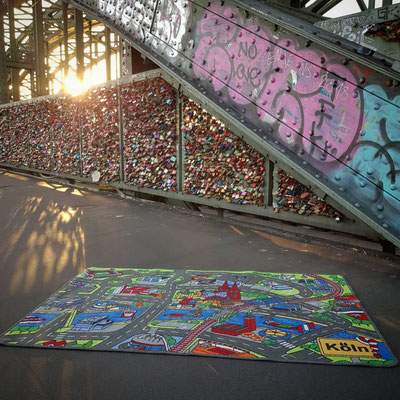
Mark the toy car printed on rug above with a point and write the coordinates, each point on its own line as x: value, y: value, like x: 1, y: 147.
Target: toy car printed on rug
x: 247, y: 315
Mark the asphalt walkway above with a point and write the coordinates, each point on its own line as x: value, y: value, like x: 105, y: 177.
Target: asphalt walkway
x: 49, y: 232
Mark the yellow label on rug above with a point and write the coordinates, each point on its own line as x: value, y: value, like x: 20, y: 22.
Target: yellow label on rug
x: 344, y: 347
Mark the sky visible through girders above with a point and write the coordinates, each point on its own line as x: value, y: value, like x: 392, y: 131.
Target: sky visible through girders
x: 97, y: 74
x: 350, y: 7
x: 344, y: 8
x: 93, y: 76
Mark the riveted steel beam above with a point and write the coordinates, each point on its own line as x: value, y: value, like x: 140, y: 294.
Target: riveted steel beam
x: 15, y: 81
x: 362, y: 5
x: 323, y: 6
x: 360, y: 28
x: 79, y: 45
x: 107, y: 44
x: 3, y: 67
x: 293, y: 45
x: 180, y: 154
x: 40, y: 66
x: 65, y: 37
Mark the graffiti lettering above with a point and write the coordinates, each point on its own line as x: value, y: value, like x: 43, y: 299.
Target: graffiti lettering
x: 248, y: 51
x: 305, y: 70
x: 250, y: 75
x: 322, y: 114
x: 170, y: 24
x: 322, y: 93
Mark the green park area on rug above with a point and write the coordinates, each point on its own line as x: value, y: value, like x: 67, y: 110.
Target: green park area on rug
x: 308, y: 318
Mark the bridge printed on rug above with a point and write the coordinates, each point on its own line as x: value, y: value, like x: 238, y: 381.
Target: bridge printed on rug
x: 290, y: 317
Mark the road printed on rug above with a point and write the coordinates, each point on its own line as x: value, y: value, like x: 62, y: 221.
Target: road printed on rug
x: 292, y: 317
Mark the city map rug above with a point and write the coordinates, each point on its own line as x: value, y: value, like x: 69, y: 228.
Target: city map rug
x: 246, y: 315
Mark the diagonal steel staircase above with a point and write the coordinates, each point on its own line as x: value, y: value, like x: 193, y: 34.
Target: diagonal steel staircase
x: 301, y: 95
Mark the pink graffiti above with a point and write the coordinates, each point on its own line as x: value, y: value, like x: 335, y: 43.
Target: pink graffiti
x: 222, y: 23
x: 311, y: 99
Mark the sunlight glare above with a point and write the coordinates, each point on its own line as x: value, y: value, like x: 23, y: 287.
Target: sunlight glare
x: 74, y: 86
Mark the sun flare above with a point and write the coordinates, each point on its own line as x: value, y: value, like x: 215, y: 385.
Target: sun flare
x: 74, y: 86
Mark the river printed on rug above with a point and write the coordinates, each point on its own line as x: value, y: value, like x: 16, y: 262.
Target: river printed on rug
x: 313, y: 318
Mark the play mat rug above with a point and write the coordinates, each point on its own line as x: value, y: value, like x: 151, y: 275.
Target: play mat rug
x: 307, y: 318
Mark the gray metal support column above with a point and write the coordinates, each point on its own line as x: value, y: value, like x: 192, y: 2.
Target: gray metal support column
x: 268, y: 182
x: 121, y: 135
x: 322, y: 6
x: 32, y: 82
x: 40, y: 67
x: 180, y: 156
x: 46, y: 62
x: 117, y: 45
x: 65, y: 37
x: 371, y: 4
x: 90, y: 45
x: 362, y: 5
x: 80, y: 132
x: 3, y: 67
x: 121, y: 58
x: 107, y: 54
x: 52, y: 158
x: 387, y: 2
x: 80, y: 60
x: 125, y: 58
x: 29, y: 148
x: 13, y: 52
